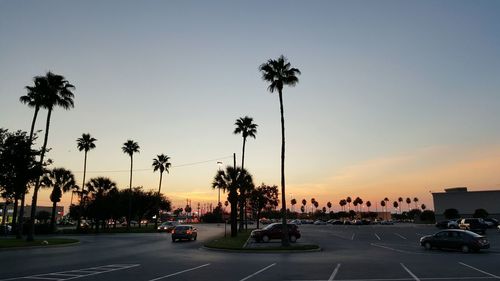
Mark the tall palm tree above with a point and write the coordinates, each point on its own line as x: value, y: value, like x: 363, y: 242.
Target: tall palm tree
x: 34, y: 98
x: 395, y: 204
x: 348, y: 200
x: 130, y: 147
x: 56, y: 92
x: 280, y: 73
x: 408, y: 202
x: 329, y: 205
x: 85, y: 143
x: 342, y: 204
x: 245, y: 127
x: 400, y: 203
x: 62, y: 181
x: 382, y: 203
x: 231, y: 180
x: 368, y: 205
x: 160, y: 163
x: 293, y: 202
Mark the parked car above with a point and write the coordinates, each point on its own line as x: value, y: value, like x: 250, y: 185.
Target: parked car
x: 186, y: 232
x: 167, y: 226
x: 473, y: 224
x: 297, y: 222
x: 5, y: 229
x: 455, y: 239
x: 332, y: 221
x: 319, y: 222
x: 386, y: 222
x: 275, y: 231
x: 491, y: 222
x: 453, y: 224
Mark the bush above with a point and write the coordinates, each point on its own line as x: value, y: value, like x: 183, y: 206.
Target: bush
x: 481, y: 213
x: 451, y: 214
x: 428, y: 216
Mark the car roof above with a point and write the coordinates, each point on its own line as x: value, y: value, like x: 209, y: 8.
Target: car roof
x: 461, y: 231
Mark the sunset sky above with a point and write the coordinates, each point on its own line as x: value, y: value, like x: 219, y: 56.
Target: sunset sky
x: 396, y: 98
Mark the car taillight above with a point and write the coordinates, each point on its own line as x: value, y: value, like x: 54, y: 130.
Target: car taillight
x: 189, y: 231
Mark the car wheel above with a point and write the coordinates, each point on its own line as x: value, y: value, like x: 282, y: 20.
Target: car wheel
x: 427, y: 246
x: 293, y: 238
x: 465, y: 248
x: 173, y: 240
x: 196, y: 236
x: 265, y: 238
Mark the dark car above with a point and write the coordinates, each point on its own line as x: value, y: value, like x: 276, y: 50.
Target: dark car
x: 186, y: 232
x: 448, y: 224
x: 167, y: 226
x: 473, y: 224
x: 491, y: 222
x: 455, y: 239
x: 275, y: 231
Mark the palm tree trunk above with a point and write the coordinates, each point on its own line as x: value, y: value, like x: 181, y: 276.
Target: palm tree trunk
x: 159, y: 199
x: 31, y: 230
x: 20, y: 220
x: 234, y: 219
x: 53, y: 217
x: 83, y: 188
x: 284, y: 240
x: 130, y: 195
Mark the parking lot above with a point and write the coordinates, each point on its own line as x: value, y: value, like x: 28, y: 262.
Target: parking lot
x: 368, y: 252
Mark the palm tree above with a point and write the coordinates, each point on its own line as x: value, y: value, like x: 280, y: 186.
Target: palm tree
x: 231, y: 180
x: 423, y: 207
x: 348, y: 200
x: 368, y: 205
x: 98, y: 188
x: 245, y: 127
x: 55, y: 92
x: 329, y: 205
x: 415, y: 199
x: 293, y: 202
x: 400, y: 201
x: 160, y: 163
x: 85, y: 144
x: 382, y: 203
x: 304, y: 202
x: 62, y: 181
x: 34, y: 98
x: 395, y: 204
x: 342, y: 203
x: 130, y: 147
x: 279, y: 73
x: 408, y: 202
x: 313, y: 203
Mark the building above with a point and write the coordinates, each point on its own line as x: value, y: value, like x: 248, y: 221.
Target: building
x: 466, y: 202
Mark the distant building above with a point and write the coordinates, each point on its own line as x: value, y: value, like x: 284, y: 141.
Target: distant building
x: 466, y: 202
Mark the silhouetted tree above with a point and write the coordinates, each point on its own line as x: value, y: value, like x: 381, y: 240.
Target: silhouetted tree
x: 85, y: 143
x: 55, y: 92
x: 130, y: 147
x: 451, y: 213
x: 279, y: 73
x: 62, y: 181
x: 162, y: 164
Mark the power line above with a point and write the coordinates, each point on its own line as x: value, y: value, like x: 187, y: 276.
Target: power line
x: 142, y: 170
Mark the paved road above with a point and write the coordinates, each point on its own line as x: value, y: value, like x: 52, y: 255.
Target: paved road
x: 373, y: 253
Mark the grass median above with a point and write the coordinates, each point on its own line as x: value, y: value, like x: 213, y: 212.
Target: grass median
x: 19, y: 243
x: 237, y: 244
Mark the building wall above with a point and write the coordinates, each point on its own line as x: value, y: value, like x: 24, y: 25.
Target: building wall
x: 466, y: 202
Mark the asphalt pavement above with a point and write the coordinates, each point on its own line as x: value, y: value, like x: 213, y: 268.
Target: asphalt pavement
x: 371, y: 253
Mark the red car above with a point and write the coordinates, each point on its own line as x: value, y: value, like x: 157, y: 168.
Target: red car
x: 275, y: 231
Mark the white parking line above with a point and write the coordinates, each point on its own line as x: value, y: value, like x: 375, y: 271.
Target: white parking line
x: 397, y: 234
x: 71, y: 274
x: 352, y: 238
x: 482, y: 271
x: 378, y: 237
x: 253, y: 274
x: 392, y: 249
x: 180, y: 272
x: 409, y: 272
x: 334, y: 272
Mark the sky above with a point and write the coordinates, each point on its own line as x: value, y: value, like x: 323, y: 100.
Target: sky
x: 396, y: 98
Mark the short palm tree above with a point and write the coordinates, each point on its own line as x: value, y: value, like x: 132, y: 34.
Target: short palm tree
x: 400, y: 203
x: 382, y: 203
x: 56, y: 92
x: 293, y: 202
x: 415, y: 199
x: 329, y: 205
x: 231, y: 180
x: 62, y: 181
x: 408, y: 202
x: 348, y: 200
x: 130, y: 147
x: 160, y: 163
x: 368, y: 205
x: 280, y: 73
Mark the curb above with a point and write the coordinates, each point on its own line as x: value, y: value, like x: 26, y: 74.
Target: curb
x: 41, y: 246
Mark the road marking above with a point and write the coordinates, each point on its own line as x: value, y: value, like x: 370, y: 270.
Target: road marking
x: 352, y: 238
x: 180, y: 272
x: 378, y: 237
x: 405, y: 279
x: 409, y: 272
x: 262, y: 270
x: 392, y: 249
x: 397, y: 234
x: 482, y: 271
x: 72, y: 274
x: 334, y: 272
